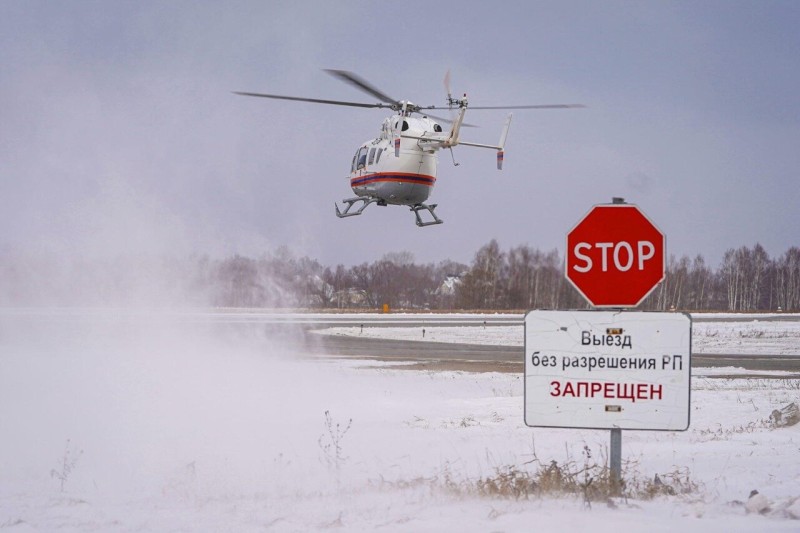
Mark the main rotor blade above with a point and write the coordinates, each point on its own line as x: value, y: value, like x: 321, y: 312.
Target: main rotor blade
x: 313, y: 100
x: 546, y: 106
x: 361, y: 84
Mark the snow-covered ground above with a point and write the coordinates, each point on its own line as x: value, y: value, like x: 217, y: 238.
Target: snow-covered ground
x: 173, y: 425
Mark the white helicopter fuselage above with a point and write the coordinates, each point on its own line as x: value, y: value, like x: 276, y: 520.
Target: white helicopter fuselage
x: 398, y: 175
x: 399, y: 166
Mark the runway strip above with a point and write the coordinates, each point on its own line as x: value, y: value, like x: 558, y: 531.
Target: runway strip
x: 480, y: 358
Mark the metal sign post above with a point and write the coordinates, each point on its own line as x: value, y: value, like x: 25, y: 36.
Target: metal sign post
x: 615, y: 461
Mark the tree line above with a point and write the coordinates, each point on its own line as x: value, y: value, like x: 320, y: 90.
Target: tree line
x: 516, y: 279
x: 519, y: 278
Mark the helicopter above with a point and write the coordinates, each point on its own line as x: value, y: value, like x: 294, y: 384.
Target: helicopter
x: 399, y: 166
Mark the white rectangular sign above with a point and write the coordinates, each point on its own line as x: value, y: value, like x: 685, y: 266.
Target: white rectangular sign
x: 608, y: 369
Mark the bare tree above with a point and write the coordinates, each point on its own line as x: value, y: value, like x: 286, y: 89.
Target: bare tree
x: 747, y: 279
x: 671, y: 293
x: 524, y: 277
x: 238, y: 284
x: 534, y: 279
x: 744, y: 274
x: 731, y: 274
x: 699, y: 284
x: 481, y: 286
x: 787, y: 280
x: 363, y: 282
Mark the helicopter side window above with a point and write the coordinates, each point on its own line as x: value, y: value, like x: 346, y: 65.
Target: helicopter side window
x: 405, y: 125
x: 378, y: 156
x: 371, y: 156
x: 362, y: 158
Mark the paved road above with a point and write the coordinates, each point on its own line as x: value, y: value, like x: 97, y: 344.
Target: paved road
x: 328, y: 320
x: 465, y: 356
x: 421, y: 354
x: 409, y: 350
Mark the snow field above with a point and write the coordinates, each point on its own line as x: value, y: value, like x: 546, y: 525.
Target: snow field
x: 219, y: 428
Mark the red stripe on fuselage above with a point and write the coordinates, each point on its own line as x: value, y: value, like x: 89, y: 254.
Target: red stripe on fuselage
x: 396, y: 177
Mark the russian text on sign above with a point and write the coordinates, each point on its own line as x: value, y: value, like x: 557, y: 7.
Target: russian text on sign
x: 621, y: 391
x: 587, y: 338
x: 582, y: 369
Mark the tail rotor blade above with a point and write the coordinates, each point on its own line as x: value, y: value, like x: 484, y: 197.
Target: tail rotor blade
x: 447, y: 86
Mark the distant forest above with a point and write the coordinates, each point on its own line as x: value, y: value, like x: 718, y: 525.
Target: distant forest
x: 517, y: 279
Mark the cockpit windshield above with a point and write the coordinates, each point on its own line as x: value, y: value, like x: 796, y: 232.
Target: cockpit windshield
x: 360, y: 159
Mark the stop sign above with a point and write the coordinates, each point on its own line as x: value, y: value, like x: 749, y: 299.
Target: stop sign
x: 615, y: 256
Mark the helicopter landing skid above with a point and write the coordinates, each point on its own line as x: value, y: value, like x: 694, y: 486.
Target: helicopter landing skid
x: 350, y: 202
x: 429, y: 209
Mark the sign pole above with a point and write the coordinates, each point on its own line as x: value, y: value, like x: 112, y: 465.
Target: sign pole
x: 616, y: 461
x: 615, y: 458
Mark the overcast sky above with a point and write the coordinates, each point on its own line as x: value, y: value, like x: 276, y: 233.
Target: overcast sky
x: 119, y: 132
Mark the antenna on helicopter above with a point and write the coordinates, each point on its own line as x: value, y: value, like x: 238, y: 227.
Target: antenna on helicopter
x: 447, y: 89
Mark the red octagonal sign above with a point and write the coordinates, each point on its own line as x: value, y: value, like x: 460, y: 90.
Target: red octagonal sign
x: 615, y: 256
